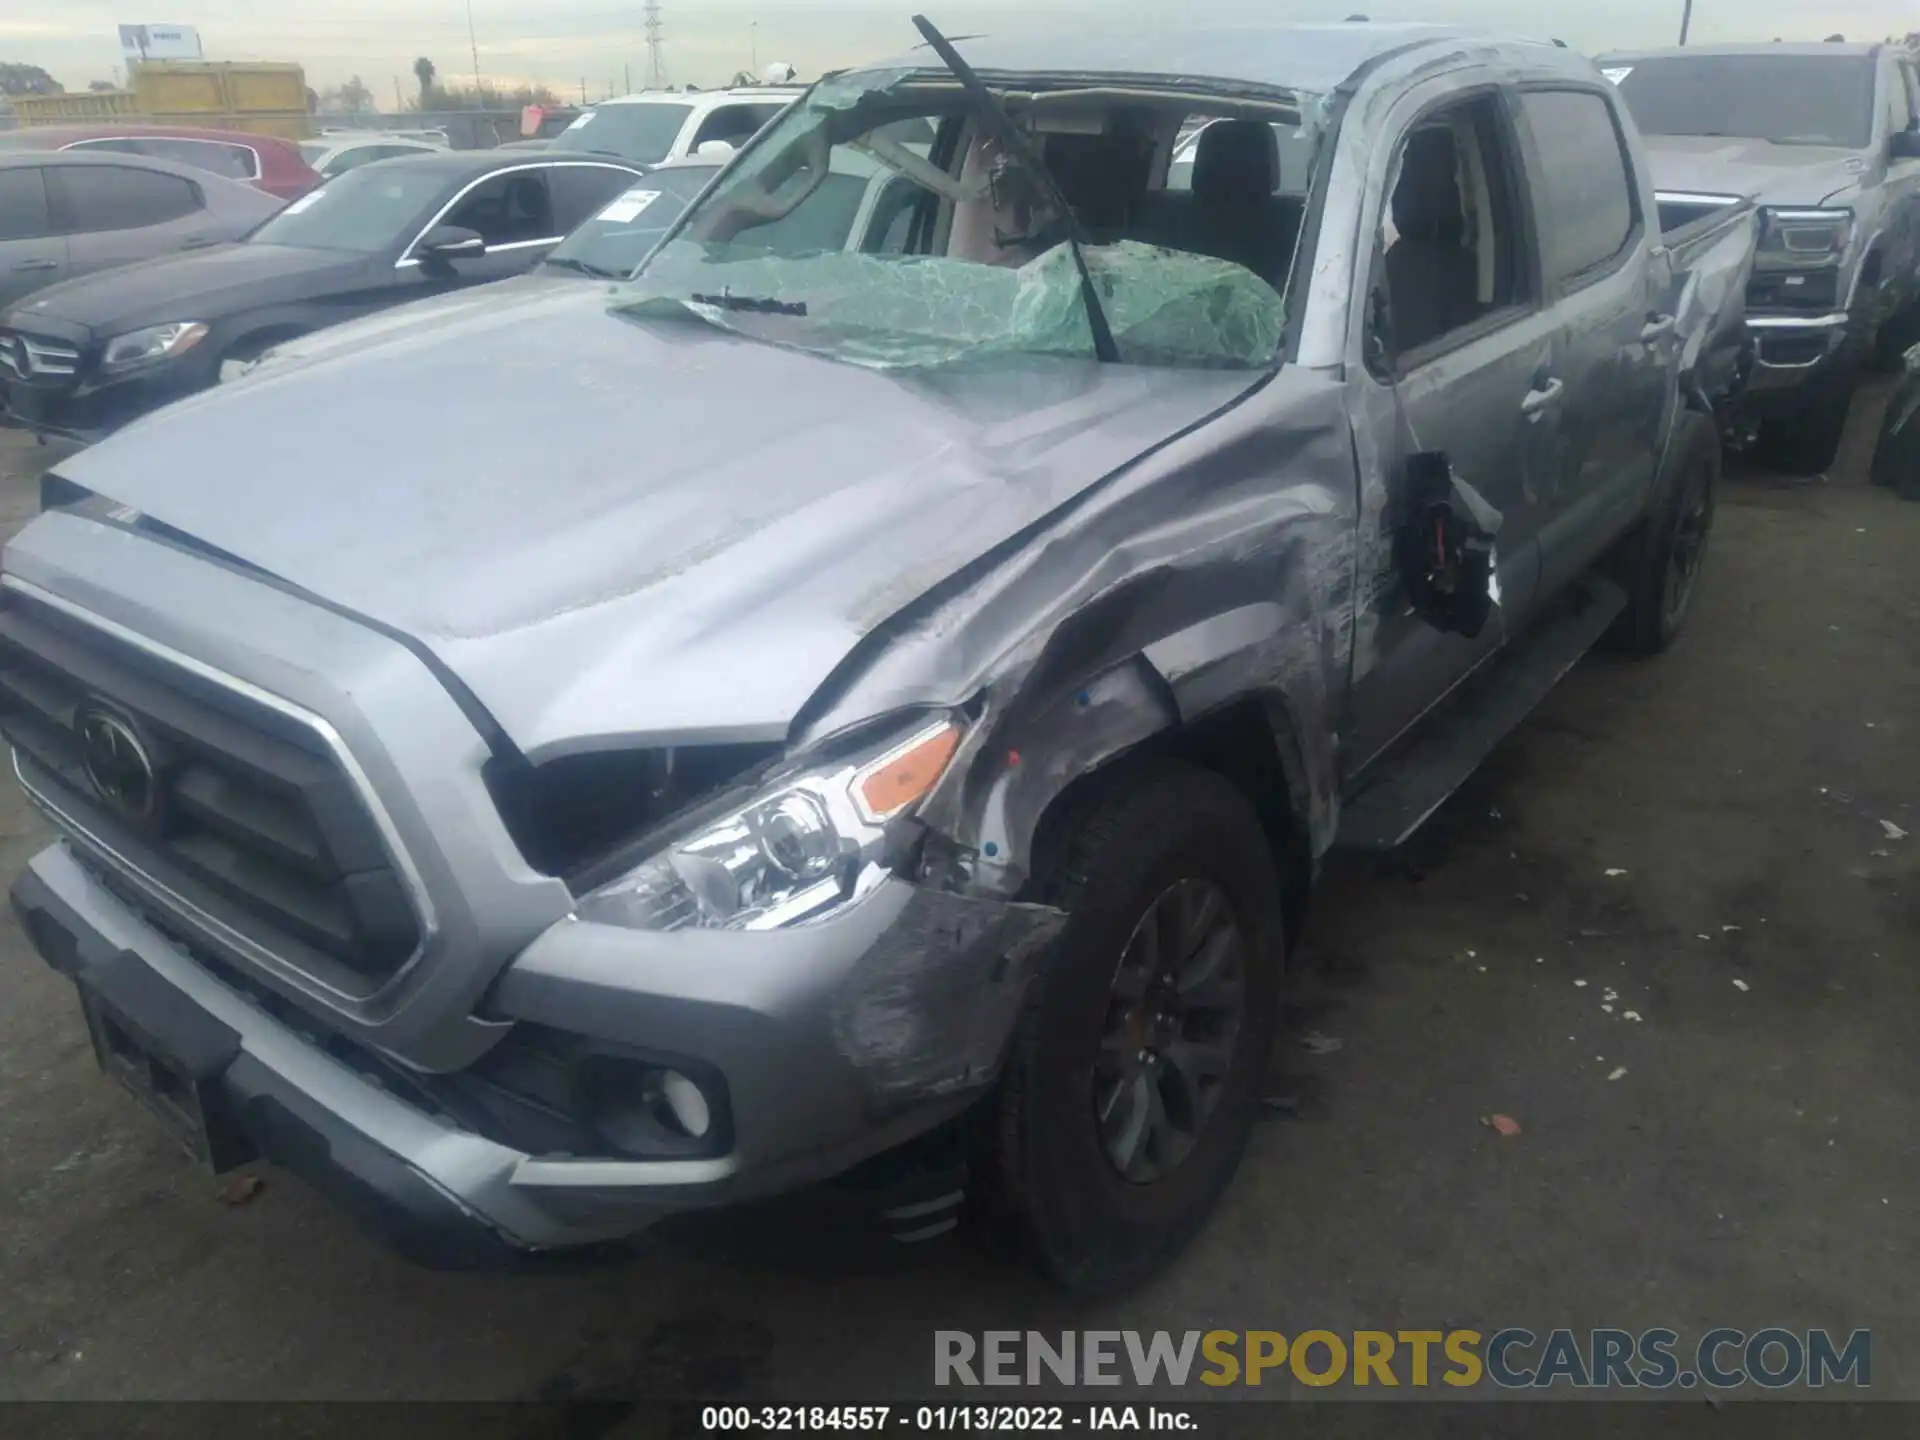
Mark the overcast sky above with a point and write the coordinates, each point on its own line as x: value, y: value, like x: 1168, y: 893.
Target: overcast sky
x: 560, y: 42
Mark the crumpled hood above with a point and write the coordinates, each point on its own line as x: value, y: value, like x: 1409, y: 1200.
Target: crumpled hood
x: 1765, y: 173
x: 199, y: 285
x: 619, y: 531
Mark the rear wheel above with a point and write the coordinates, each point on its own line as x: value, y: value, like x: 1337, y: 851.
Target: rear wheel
x: 1134, y: 1077
x: 1660, y: 566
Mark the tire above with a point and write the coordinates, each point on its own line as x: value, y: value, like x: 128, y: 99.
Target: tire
x: 1176, y: 836
x: 1660, y: 566
x: 1807, y: 441
x: 1898, y: 333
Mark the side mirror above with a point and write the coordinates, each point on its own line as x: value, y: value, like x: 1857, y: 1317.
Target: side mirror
x: 449, y: 242
x: 1904, y: 145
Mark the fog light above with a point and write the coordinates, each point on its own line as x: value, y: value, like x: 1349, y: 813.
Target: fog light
x: 687, y: 1104
x: 648, y: 1109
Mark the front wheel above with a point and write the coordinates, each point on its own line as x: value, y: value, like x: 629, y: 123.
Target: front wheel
x: 1807, y: 441
x: 1134, y: 1077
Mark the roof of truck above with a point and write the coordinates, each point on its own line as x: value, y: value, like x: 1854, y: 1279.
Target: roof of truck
x: 1315, y: 58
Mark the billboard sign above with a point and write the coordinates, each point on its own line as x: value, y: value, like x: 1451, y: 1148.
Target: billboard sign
x: 159, y: 42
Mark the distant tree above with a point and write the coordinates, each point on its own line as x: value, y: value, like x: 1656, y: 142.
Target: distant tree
x: 100, y: 87
x: 487, y: 97
x: 423, y: 71
x: 350, y: 98
x: 27, y: 80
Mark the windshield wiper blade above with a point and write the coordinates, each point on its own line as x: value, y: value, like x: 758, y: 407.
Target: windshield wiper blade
x: 1014, y: 139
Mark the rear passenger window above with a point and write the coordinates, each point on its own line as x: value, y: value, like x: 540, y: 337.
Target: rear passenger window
x: 1584, y: 190
x: 118, y: 197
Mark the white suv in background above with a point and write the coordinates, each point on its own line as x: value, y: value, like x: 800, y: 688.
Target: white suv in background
x: 660, y: 125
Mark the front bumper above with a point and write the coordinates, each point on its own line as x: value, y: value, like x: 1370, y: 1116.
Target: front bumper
x: 898, y: 1036
x: 88, y: 407
x: 1792, y: 352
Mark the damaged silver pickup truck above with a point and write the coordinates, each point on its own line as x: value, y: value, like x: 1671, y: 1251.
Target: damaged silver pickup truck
x: 551, y: 758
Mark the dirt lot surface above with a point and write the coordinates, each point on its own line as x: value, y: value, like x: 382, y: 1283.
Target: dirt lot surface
x: 1754, y: 1164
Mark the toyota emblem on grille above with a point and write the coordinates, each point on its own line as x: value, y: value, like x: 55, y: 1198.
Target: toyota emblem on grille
x: 118, y: 763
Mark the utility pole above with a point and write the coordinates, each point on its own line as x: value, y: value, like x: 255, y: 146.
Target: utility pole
x: 627, y: 71
x: 473, y: 44
x: 583, y: 92
x: 753, y: 29
x: 655, y: 35
x: 399, y: 100
x: 1686, y: 21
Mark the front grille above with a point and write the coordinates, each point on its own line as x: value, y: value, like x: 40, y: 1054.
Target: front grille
x: 252, y: 825
x: 1814, y: 292
x: 30, y: 357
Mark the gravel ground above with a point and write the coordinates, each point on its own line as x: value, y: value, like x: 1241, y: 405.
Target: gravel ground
x: 1753, y: 1165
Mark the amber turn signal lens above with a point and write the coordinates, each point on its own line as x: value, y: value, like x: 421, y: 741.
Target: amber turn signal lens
x: 896, y: 781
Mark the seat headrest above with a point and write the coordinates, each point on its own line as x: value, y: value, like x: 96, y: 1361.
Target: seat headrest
x: 1236, y: 161
x: 1426, y: 201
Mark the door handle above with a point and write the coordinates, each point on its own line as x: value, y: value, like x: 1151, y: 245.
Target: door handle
x: 1658, y: 327
x: 1542, y: 398
x: 38, y: 265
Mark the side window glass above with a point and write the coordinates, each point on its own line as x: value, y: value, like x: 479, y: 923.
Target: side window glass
x: 734, y: 124
x: 1897, y: 105
x: 582, y: 191
x: 353, y: 159
x: 1584, y: 189
x: 1451, y: 234
x: 508, y: 209
x: 1912, y: 74
x: 117, y: 147
x: 23, y: 204
x: 116, y: 197
x: 892, y: 219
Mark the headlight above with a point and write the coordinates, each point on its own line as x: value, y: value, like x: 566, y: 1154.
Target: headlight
x: 156, y: 342
x: 791, y: 854
x: 1814, y: 236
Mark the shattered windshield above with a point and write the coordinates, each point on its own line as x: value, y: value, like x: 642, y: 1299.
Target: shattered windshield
x: 953, y: 249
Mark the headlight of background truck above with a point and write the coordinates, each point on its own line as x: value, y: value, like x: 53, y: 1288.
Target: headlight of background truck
x: 1805, y: 237
x: 793, y: 852
x: 155, y: 342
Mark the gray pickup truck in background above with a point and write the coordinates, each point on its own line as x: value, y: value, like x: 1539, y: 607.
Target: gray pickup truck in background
x: 1825, y: 138
x: 812, y: 718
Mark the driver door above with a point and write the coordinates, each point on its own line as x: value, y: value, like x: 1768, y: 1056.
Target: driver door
x: 513, y: 213
x: 1457, y: 350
